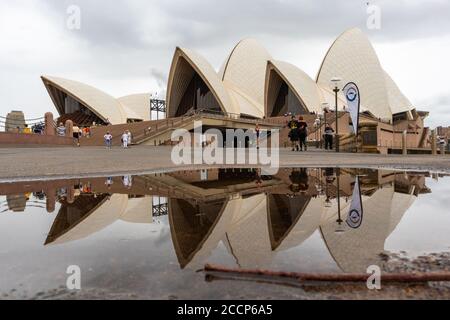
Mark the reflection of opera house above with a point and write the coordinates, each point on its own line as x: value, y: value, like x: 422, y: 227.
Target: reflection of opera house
x: 254, y: 217
x: 253, y: 85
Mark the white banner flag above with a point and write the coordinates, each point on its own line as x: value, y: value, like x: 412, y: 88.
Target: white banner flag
x: 351, y: 92
x: 355, y: 216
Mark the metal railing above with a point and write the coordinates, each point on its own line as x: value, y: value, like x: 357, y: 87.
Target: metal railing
x: 158, y: 128
x: 170, y: 123
x: 37, y: 125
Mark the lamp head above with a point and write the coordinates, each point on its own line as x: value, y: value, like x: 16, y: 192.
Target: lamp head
x: 336, y: 83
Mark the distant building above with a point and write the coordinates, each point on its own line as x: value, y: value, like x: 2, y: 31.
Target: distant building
x: 15, y: 121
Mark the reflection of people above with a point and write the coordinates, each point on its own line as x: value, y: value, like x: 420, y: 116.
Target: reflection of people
x: 109, y: 182
x: 258, y: 178
x: 127, y: 181
x: 329, y: 175
x: 300, y: 180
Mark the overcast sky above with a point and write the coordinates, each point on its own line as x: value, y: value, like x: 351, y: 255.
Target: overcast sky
x: 126, y: 46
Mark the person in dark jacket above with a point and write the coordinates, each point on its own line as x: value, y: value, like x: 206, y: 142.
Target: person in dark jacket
x: 293, y: 133
x: 302, y: 133
x: 329, y: 133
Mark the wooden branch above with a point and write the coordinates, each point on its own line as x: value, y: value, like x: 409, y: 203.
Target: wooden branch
x: 336, y: 277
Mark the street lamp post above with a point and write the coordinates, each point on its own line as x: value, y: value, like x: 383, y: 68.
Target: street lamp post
x: 335, y: 82
x: 318, y: 124
x: 325, y: 108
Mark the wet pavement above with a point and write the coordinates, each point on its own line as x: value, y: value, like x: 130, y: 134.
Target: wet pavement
x: 148, y: 236
x: 58, y: 163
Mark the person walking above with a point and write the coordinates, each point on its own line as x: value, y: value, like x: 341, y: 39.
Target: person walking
x: 129, y: 137
x: 293, y: 133
x: 302, y: 133
x: 125, y: 140
x: 108, y: 140
x: 77, y: 135
x: 329, y: 133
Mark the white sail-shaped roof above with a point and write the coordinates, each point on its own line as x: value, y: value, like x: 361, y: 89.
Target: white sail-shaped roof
x: 244, y: 75
x: 181, y: 74
x: 100, y: 103
x: 353, y: 59
x: 305, y: 89
x: 397, y: 100
x: 139, y: 104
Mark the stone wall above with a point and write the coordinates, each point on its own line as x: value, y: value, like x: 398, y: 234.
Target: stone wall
x: 30, y: 140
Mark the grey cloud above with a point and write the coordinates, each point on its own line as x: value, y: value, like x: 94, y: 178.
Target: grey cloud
x: 135, y: 39
x: 110, y: 23
x: 160, y: 78
x: 439, y: 108
x: 202, y: 23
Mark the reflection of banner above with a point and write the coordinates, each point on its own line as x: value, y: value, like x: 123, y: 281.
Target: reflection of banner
x: 355, y: 216
x: 351, y: 92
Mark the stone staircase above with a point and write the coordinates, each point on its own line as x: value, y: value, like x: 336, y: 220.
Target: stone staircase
x: 136, y: 129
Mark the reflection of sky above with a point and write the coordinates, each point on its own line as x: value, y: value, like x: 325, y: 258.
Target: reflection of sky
x: 426, y: 225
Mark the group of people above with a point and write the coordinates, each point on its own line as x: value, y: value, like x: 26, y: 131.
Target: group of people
x: 126, y: 180
x: 81, y: 132
x: 78, y: 132
x: 298, y: 134
x: 126, y: 139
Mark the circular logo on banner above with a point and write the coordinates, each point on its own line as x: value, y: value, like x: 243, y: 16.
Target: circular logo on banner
x: 352, y: 94
x: 354, y: 219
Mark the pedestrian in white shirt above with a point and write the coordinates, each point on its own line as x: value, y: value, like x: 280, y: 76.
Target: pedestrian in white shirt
x: 129, y: 137
x: 108, y: 140
x: 125, y: 140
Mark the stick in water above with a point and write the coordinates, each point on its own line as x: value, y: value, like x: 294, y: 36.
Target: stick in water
x: 336, y: 277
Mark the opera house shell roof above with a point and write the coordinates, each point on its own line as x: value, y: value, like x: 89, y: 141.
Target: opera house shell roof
x: 353, y: 59
x: 250, y: 83
x: 69, y: 96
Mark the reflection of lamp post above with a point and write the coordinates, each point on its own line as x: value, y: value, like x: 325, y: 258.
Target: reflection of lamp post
x: 339, y: 221
x: 335, y: 82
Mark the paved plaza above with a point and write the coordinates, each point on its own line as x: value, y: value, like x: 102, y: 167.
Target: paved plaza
x: 43, y: 163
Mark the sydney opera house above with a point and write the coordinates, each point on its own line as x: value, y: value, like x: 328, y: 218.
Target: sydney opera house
x: 251, y: 84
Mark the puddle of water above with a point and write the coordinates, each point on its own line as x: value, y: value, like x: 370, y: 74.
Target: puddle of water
x: 147, y: 235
